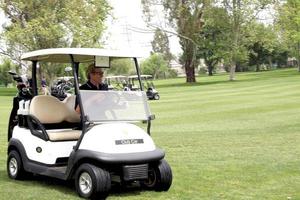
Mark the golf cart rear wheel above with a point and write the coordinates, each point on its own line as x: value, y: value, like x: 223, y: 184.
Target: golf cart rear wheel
x: 15, y: 166
x: 92, y: 182
x: 159, y: 177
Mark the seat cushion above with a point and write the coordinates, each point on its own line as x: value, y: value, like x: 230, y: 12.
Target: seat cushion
x: 63, y: 134
x: 71, y: 115
x: 47, y: 109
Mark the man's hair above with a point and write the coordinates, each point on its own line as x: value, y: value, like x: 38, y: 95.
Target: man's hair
x: 91, y: 68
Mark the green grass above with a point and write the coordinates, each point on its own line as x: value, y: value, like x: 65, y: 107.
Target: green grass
x: 223, y: 140
x: 7, y: 91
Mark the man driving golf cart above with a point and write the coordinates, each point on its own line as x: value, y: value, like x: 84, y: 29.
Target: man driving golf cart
x: 95, y: 76
x: 110, y: 148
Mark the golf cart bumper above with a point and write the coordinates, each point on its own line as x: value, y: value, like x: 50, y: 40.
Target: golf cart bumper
x: 121, y: 158
x: 129, y: 166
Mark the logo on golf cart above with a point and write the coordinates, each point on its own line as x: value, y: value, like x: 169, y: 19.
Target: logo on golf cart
x: 129, y: 141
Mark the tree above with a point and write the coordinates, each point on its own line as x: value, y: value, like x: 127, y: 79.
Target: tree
x: 160, y: 44
x: 280, y: 56
x: 121, y: 66
x: 186, y: 18
x: 258, y: 55
x: 289, y: 21
x: 241, y: 13
x: 213, y: 41
x: 52, y: 23
x: 155, y: 65
x: 5, y: 67
x: 262, y: 41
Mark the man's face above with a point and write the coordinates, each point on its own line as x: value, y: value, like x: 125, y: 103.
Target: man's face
x: 96, y: 76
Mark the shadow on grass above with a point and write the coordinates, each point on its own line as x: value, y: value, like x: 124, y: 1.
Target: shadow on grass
x: 241, y: 77
x: 202, y: 83
x: 118, y: 190
x: 68, y: 187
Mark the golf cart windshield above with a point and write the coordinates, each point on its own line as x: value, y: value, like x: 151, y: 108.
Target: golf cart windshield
x: 102, y: 106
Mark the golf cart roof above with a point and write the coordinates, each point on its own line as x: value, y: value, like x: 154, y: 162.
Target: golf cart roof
x: 116, y: 77
x: 66, y: 78
x: 82, y: 55
x: 142, y: 76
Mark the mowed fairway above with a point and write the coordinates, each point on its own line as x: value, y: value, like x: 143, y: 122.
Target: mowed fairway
x: 223, y: 140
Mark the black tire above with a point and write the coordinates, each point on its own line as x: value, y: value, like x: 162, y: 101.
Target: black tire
x: 156, y: 97
x: 92, y: 182
x: 160, y: 177
x: 15, y: 168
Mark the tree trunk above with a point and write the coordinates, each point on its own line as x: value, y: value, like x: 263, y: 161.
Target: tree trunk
x: 210, y: 69
x: 257, y: 67
x: 298, y: 56
x: 236, y: 4
x: 232, y: 71
x: 270, y: 62
x: 189, y: 66
x: 190, y: 74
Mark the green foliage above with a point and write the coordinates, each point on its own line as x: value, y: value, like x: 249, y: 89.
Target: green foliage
x: 171, y: 73
x: 160, y: 44
x: 121, y: 66
x: 186, y: 18
x: 5, y: 67
x: 289, y: 22
x: 82, y: 73
x: 213, y: 41
x: 49, y: 24
x: 241, y: 14
x: 155, y: 65
x: 261, y: 44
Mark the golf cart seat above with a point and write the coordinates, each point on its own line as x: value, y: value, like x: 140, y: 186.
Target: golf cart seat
x: 54, y: 118
x: 69, y: 102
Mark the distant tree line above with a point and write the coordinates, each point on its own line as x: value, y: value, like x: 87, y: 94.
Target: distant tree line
x: 230, y: 32
x: 227, y: 32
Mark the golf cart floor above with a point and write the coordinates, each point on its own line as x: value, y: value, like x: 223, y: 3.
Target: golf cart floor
x: 57, y: 172
x: 61, y: 169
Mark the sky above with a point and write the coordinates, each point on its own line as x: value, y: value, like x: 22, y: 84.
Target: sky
x: 2, y: 19
x: 127, y: 30
x: 120, y: 34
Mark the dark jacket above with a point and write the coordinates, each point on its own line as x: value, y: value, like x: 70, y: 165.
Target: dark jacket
x: 89, y: 86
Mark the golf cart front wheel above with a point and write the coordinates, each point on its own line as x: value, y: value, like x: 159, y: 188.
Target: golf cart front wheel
x: 92, y: 182
x: 159, y: 177
x: 15, y: 166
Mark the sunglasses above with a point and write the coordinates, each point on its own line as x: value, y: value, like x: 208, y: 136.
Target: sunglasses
x: 98, y: 73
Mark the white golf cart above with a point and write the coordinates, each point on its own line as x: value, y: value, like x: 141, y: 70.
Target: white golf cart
x: 116, y: 82
x: 102, y: 146
x: 148, y: 85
